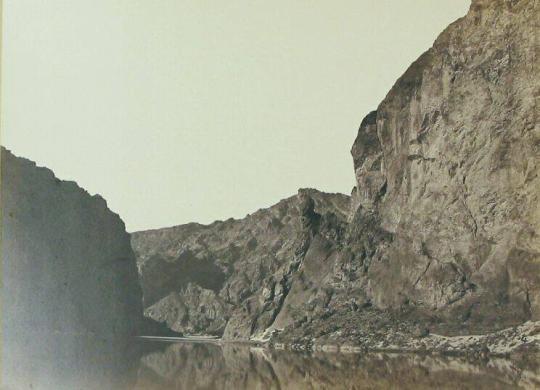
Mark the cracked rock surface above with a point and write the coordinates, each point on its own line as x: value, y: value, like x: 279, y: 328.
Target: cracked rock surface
x: 449, y: 162
x: 440, y: 234
x: 239, y: 277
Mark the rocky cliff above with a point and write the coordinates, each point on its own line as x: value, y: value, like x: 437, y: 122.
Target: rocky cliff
x: 236, y: 277
x: 441, y: 233
x: 449, y: 163
x: 71, y: 298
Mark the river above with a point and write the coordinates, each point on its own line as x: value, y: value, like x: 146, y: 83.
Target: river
x: 199, y: 365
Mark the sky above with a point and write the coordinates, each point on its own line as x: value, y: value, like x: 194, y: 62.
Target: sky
x: 181, y: 111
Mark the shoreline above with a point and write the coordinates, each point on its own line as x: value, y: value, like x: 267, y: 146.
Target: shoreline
x: 504, y: 343
x: 524, y: 337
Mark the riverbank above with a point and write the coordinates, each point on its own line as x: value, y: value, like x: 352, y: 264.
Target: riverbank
x: 521, y: 339
x: 524, y: 338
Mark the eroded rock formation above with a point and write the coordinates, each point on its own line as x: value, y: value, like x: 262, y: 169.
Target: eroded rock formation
x: 441, y: 233
x: 235, y: 277
x: 449, y: 163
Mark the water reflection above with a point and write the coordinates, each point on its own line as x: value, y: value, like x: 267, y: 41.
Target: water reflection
x: 71, y: 362
x: 212, y: 366
x: 93, y: 363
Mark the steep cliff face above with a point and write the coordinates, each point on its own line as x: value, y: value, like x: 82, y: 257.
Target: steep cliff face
x: 70, y: 284
x: 240, y: 277
x: 443, y: 229
x: 449, y: 164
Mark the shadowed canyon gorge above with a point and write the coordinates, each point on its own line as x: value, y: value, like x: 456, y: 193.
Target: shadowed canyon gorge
x: 436, y: 249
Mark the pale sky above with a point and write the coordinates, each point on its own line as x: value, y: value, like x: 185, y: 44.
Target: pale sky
x: 191, y: 111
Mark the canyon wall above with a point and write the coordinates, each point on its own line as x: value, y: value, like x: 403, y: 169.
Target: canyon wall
x: 449, y: 165
x: 71, y: 298
x: 235, y: 277
x: 441, y: 232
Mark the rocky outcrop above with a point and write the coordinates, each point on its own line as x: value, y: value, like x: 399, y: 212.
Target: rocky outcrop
x: 441, y: 233
x: 449, y: 165
x: 238, y: 278
x: 71, y: 298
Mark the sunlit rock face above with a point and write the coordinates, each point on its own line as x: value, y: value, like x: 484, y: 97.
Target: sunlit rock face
x: 449, y: 163
x: 441, y: 232
x: 71, y: 298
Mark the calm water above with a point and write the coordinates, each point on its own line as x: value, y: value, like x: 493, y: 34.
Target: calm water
x: 210, y: 366
x: 54, y: 362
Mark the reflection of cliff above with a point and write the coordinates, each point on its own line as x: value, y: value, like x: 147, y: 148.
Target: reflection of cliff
x: 211, y: 366
x: 71, y: 299
x: 67, y: 362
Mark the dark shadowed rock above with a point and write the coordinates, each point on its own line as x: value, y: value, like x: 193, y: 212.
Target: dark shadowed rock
x: 71, y: 298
